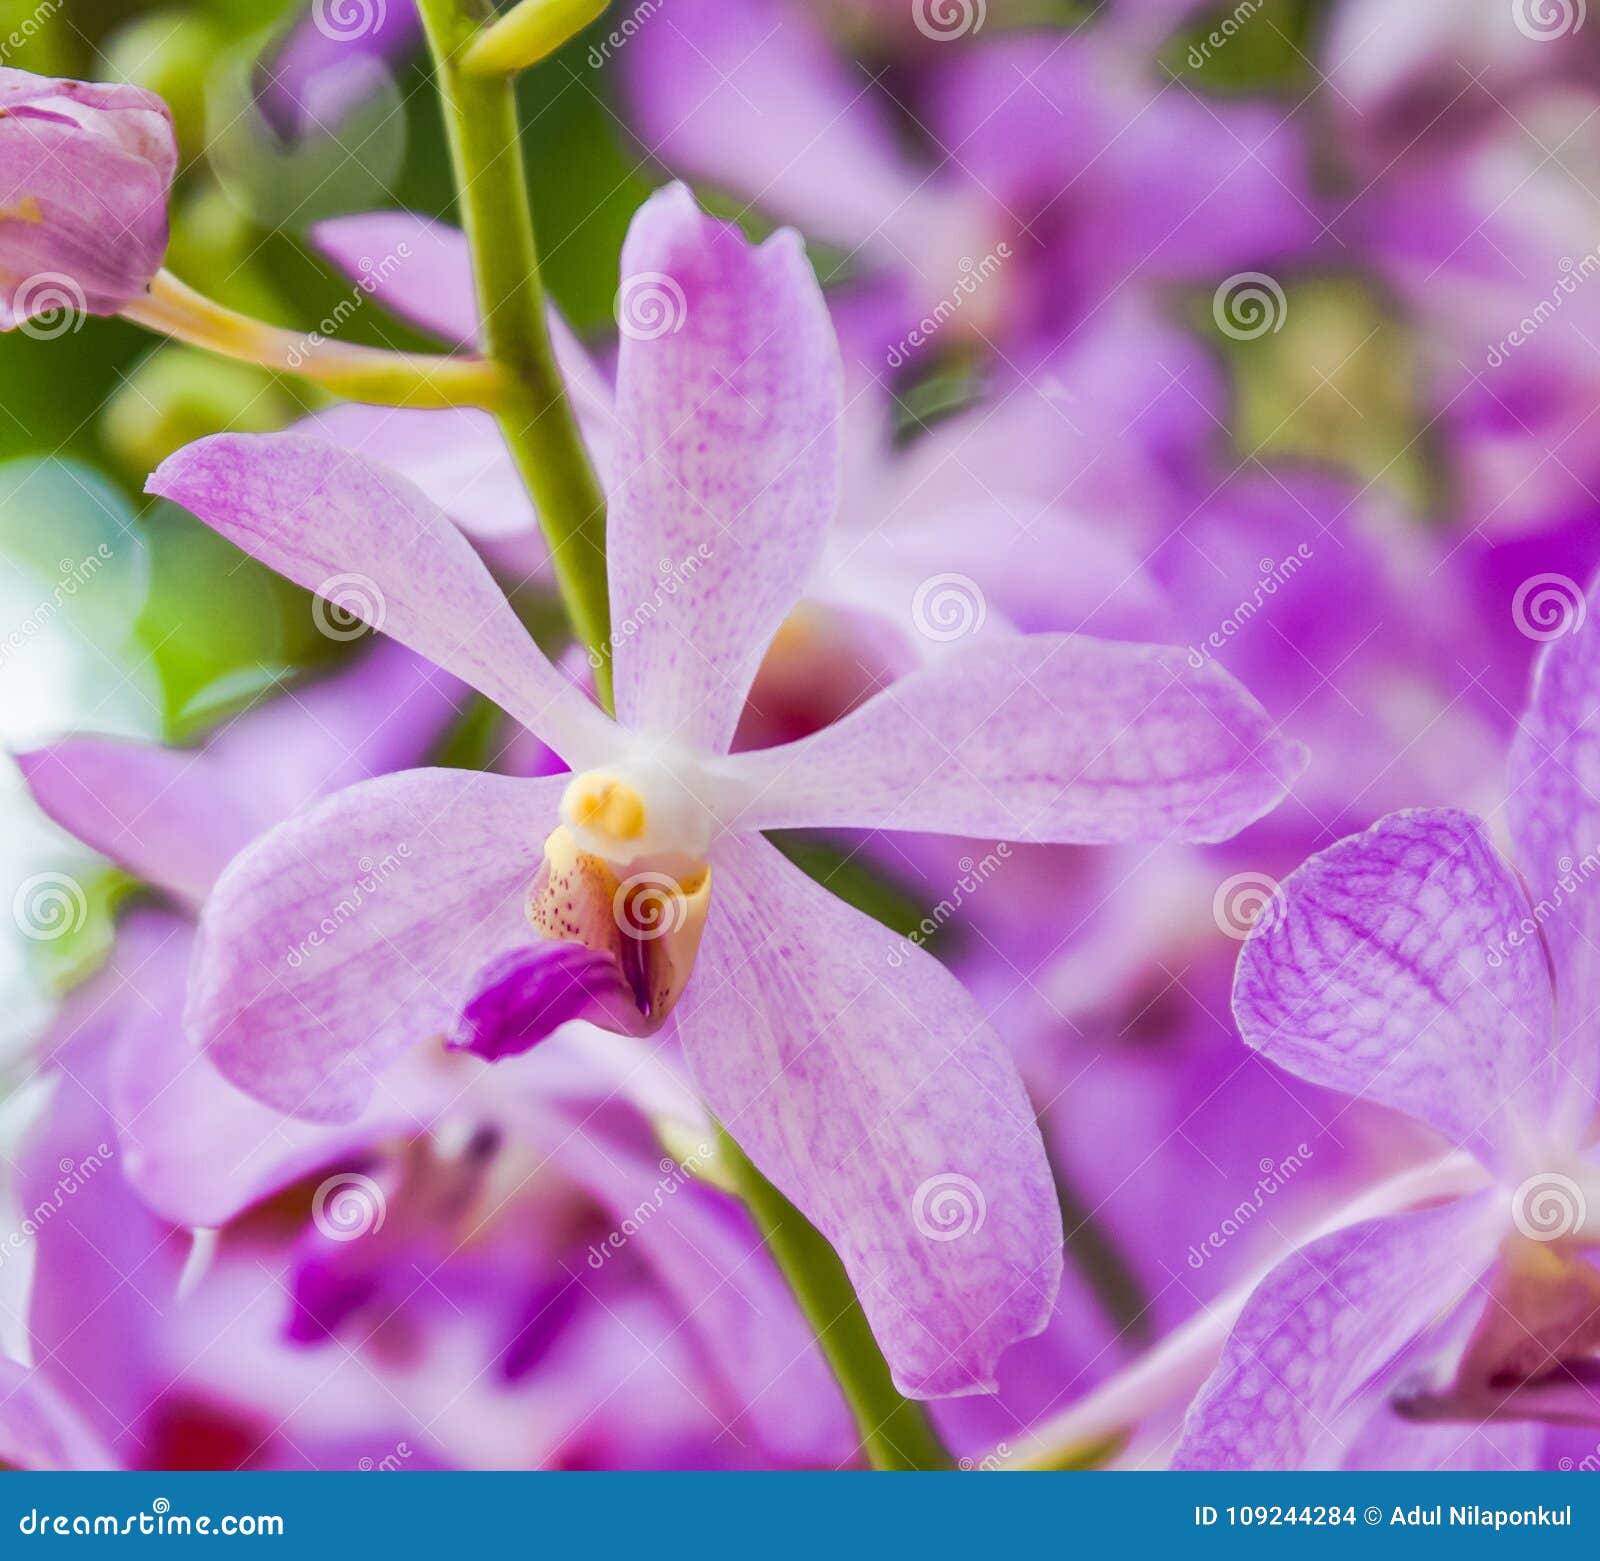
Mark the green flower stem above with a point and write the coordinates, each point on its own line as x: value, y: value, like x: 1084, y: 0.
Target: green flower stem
x: 370, y: 374
x: 896, y: 1432
x: 480, y: 115
x: 539, y: 426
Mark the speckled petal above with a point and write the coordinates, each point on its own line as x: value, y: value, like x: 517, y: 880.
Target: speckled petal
x: 1390, y: 968
x: 1047, y: 737
x: 865, y: 1082
x: 360, y: 928
x: 728, y: 400
x: 344, y: 526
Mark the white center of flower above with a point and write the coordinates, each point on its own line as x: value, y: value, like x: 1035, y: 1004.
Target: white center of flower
x: 647, y: 811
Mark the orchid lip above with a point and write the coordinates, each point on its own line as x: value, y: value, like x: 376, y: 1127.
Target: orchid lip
x: 649, y: 811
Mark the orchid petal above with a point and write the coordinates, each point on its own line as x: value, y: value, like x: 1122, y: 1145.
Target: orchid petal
x: 1287, y: 1393
x: 1054, y: 738
x: 359, y: 928
x: 728, y: 463
x: 863, y: 1080
x: 336, y: 522
x: 1553, y: 806
x: 40, y: 1430
x: 1389, y: 968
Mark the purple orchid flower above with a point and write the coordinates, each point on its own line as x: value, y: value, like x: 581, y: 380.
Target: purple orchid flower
x: 1059, y: 170
x: 83, y: 196
x: 1414, y: 967
x: 849, y: 1066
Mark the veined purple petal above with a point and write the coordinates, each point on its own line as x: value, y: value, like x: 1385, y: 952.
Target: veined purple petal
x: 85, y: 172
x: 1553, y: 806
x: 1037, y: 738
x: 337, y: 523
x: 1326, y: 1322
x: 729, y: 398
x: 1393, y: 968
x: 863, y: 1080
x: 359, y: 928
